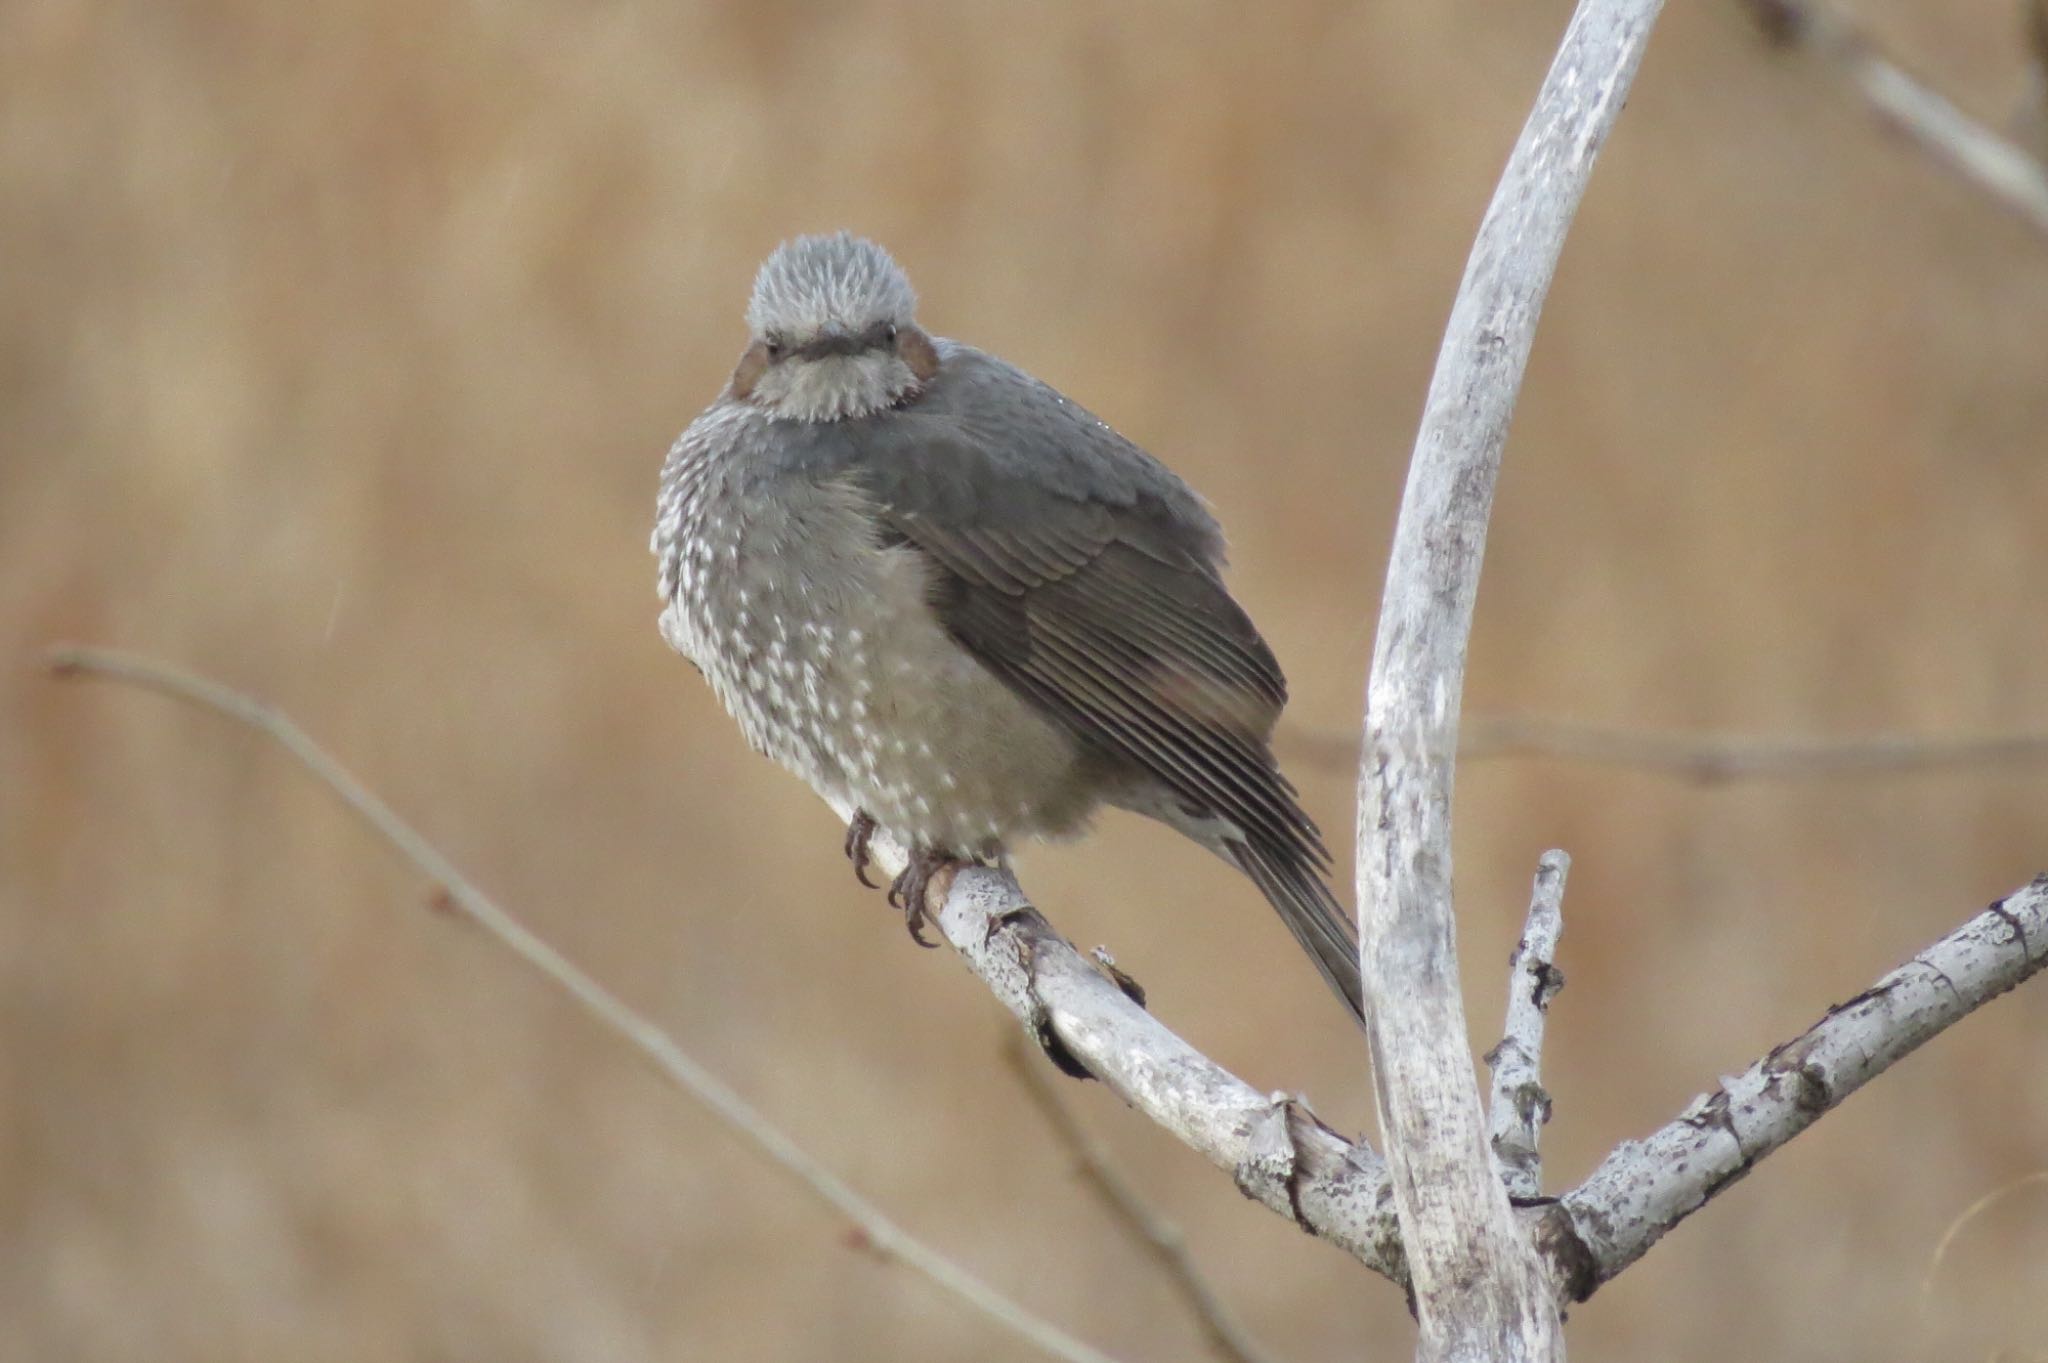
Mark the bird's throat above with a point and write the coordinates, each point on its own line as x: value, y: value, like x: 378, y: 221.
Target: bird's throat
x: 835, y: 388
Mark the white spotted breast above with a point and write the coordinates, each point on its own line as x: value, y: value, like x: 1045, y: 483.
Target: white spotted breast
x: 821, y: 642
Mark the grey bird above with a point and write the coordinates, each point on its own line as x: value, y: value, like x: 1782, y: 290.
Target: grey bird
x: 954, y: 600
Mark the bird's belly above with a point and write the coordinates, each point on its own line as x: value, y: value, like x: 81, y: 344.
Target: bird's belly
x: 951, y: 758
x: 834, y: 665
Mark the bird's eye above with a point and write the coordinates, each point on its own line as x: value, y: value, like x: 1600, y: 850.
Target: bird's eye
x: 889, y: 332
x: 773, y: 345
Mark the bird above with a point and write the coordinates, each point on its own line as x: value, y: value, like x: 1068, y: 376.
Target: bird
x: 957, y: 602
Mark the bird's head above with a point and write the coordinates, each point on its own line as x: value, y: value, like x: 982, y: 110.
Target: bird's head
x: 834, y: 332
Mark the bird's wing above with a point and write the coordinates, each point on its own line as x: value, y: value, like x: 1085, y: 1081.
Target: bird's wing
x: 1098, y: 600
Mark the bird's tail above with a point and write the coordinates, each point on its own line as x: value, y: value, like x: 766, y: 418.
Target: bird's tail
x: 1310, y: 911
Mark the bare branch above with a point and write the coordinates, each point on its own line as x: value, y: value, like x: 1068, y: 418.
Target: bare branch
x: 1520, y: 1105
x: 1646, y: 1187
x: 1225, y: 1333
x: 1478, y: 1287
x: 1280, y: 1155
x: 880, y: 1234
x: 1271, y: 1145
x: 1965, y: 147
x: 1701, y: 759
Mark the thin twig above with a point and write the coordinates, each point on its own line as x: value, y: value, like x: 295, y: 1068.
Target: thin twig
x: 1158, y: 1234
x: 1520, y: 1104
x: 1700, y: 759
x: 2015, y: 180
x: 1955, y: 1228
x: 882, y: 1235
x: 1479, y: 1289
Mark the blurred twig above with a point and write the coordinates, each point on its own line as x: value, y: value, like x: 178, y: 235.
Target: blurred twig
x: 881, y: 1235
x: 1966, y: 147
x: 1161, y: 1236
x: 1520, y: 1105
x: 1701, y: 759
x: 1955, y: 1228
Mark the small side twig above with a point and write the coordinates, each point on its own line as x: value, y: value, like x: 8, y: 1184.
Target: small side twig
x: 882, y: 1235
x: 1219, y: 1324
x: 1520, y: 1105
x: 1962, y: 145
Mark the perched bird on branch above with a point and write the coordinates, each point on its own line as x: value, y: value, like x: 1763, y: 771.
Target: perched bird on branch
x: 952, y: 599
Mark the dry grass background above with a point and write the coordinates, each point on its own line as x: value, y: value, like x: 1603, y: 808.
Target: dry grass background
x: 339, y: 347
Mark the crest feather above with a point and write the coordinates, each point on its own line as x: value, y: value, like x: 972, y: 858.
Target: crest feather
x: 842, y: 280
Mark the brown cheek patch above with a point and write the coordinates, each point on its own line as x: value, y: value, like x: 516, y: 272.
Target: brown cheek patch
x: 748, y: 372
x: 919, y: 353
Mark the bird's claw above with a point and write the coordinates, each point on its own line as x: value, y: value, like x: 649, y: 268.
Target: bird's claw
x: 859, y: 829
x: 907, y: 892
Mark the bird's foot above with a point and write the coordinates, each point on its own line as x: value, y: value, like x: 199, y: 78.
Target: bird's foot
x: 908, y: 891
x: 859, y: 829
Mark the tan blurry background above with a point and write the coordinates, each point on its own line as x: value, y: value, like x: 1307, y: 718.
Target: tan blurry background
x: 339, y: 346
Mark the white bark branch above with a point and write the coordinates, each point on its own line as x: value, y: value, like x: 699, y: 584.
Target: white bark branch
x: 2015, y: 180
x: 1520, y: 1105
x: 1646, y: 1187
x: 1271, y: 1145
x: 1278, y: 1154
x: 1479, y: 1289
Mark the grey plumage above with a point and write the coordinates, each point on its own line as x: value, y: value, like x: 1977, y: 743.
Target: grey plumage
x: 935, y: 588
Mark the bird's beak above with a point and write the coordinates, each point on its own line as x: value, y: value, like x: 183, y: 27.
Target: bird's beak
x: 831, y: 341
